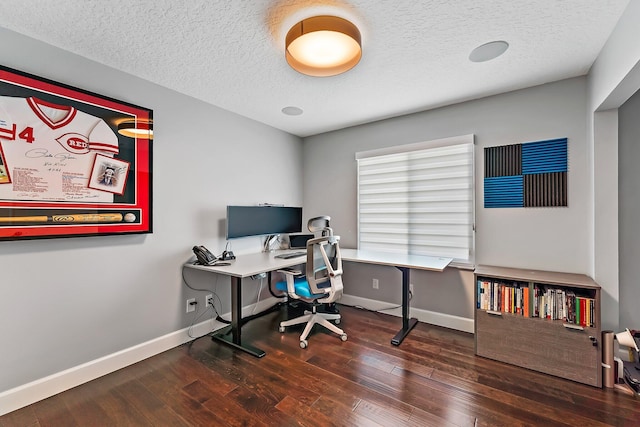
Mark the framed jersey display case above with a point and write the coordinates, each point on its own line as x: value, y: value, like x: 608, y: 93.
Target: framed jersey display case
x: 72, y: 162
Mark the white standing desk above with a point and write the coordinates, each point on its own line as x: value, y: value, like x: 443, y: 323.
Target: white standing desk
x: 404, y: 263
x: 246, y: 265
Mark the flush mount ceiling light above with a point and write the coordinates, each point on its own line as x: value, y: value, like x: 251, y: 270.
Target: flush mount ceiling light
x: 133, y: 129
x: 488, y: 51
x: 323, y: 46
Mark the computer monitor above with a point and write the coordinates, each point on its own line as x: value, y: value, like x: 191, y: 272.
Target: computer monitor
x: 245, y: 221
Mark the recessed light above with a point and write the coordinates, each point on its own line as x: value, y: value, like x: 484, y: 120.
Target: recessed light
x: 292, y: 111
x: 488, y: 51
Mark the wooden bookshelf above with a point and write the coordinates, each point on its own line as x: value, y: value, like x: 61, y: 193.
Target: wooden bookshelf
x: 567, y: 346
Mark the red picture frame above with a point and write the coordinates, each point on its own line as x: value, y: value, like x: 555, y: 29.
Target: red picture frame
x: 69, y: 162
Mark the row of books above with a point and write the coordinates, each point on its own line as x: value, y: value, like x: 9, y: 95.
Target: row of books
x: 538, y: 300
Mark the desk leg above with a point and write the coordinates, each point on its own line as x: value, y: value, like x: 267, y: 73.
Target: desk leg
x: 232, y: 335
x: 407, y: 323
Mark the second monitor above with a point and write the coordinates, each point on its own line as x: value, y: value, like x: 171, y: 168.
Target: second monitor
x: 299, y: 241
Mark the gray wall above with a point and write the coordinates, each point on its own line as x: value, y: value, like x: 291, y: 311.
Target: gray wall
x: 613, y: 78
x: 540, y: 238
x: 64, y: 302
x: 629, y: 211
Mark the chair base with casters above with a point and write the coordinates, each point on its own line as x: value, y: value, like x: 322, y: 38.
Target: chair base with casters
x: 312, y: 317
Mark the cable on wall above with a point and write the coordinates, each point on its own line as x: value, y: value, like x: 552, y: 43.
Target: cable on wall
x: 217, y: 317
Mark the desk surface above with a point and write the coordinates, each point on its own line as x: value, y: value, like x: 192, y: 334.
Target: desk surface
x: 420, y: 262
x: 246, y: 265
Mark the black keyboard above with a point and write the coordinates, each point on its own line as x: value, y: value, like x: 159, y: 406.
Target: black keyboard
x: 291, y: 255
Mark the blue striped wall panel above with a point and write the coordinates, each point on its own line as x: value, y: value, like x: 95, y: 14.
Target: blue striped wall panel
x: 544, y: 156
x: 504, y: 192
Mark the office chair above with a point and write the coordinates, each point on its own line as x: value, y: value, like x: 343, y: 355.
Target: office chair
x: 322, y: 283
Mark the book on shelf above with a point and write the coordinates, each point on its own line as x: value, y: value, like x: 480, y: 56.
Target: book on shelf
x: 508, y: 297
x: 545, y: 301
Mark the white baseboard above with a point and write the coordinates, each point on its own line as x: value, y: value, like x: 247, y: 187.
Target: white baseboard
x: 426, y: 316
x: 43, y: 388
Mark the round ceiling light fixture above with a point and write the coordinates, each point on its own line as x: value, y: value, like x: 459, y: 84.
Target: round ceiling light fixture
x: 323, y: 46
x: 488, y: 51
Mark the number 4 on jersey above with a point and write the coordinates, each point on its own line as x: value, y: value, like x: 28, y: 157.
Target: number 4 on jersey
x: 26, y: 134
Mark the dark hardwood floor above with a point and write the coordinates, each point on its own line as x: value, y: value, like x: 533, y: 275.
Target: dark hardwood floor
x: 432, y: 379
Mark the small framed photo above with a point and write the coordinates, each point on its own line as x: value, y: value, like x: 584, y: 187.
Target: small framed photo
x: 109, y: 174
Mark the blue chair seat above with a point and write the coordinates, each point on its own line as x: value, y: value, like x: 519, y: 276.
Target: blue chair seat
x: 301, y: 286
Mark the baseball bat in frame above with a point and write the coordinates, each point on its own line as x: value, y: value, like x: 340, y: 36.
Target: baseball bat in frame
x: 71, y: 218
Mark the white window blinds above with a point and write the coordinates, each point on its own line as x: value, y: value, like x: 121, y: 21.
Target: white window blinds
x: 418, y: 199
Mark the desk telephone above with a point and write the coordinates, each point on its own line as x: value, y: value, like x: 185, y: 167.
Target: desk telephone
x: 205, y: 257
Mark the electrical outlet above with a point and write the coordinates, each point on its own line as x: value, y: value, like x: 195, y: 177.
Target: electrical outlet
x: 208, y: 300
x: 376, y: 284
x: 191, y: 305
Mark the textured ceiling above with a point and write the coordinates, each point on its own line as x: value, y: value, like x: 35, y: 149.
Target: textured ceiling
x: 230, y: 53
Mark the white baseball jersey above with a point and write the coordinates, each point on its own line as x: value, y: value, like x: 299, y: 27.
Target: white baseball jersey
x: 50, y: 150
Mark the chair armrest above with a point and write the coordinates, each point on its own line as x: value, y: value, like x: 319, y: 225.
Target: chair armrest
x: 290, y: 274
x: 291, y: 271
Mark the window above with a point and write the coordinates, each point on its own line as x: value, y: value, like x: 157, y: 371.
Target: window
x: 418, y: 199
